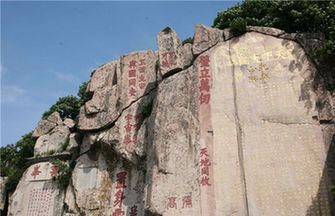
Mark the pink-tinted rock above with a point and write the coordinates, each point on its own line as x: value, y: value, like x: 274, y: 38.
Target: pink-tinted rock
x: 171, y: 53
x: 205, y: 38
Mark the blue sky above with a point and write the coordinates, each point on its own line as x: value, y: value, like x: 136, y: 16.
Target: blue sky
x: 49, y: 48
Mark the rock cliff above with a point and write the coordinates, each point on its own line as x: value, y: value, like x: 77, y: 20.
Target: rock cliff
x: 231, y: 125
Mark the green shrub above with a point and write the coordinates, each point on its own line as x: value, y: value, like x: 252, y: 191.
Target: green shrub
x: 188, y: 40
x: 66, y: 143
x: 64, y: 172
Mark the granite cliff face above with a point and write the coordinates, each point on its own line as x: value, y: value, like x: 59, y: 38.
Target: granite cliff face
x: 226, y: 126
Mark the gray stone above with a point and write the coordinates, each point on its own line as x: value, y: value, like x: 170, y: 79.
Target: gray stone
x: 127, y: 137
x: 69, y: 123
x: 55, y: 118
x: 174, y: 147
x: 52, y: 141
x: 227, y: 34
x: 188, y: 54
x: 171, y: 52
x: 95, y: 184
x: 266, y: 30
x: 103, y: 76
x: 135, y: 76
x: 205, y: 38
x: 3, y: 193
x: 46, y: 125
x: 34, y: 186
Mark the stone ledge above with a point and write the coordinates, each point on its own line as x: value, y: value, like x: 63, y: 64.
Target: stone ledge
x: 61, y: 156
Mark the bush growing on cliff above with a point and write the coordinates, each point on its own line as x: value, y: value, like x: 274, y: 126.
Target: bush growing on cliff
x: 64, y: 172
x: 291, y: 16
x: 188, y: 40
x: 14, y: 159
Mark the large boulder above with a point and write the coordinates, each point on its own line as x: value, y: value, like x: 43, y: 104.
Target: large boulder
x: 174, y: 147
x: 37, y: 194
x: 55, y: 141
x: 126, y: 81
x: 46, y: 125
x: 106, y: 186
x: 171, y: 52
x: 205, y: 38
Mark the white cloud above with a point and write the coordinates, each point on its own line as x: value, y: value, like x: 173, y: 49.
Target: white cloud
x: 11, y: 93
x: 67, y: 77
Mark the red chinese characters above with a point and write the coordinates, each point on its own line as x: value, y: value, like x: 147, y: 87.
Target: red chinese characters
x: 40, y: 201
x: 54, y: 171
x: 132, y: 126
x: 204, y: 165
x: 132, y: 78
x: 36, y: 171
x: 142, y: 69
x: 136, y: 76
x: 172, y: 202
x: 204, y: 80
x: 168, y: 59
x: 119, y: 195
x: 133, y: 211
x: 187, y: 202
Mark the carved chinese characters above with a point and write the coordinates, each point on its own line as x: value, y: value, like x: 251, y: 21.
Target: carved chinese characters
x: 36, y: 193
x: 40, y: 201
x: 206, y: 135
x: 184, y: 202
x: 205, y: 78
x: 119, y: 195
x: 264, y: 135
x: 131, y: 128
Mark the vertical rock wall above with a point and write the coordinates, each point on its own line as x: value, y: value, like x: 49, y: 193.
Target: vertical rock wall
x: 230, y: 126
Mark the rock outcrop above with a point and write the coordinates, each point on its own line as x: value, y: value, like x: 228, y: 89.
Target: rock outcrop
x: 226, y: 126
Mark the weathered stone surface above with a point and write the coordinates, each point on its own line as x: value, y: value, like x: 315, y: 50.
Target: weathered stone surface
x: 266, y: 30
x: 188, y: 54
x: 73, y: 142
x: 55, y: 118
x: 103, y: 76
x: 45, y: 126
x: 96, y: 183
x: 52, y: 141
x: 243, y: 130
x: 3, y: 193
x: 135, y: 76
x: 126, y: 137
x: 36, y: 194
x: 227, y: 34
x: 205, y: 38
x: 171, y: 52
x: 69, y: 123
x: 174, y: 148
x: 262, y: 88
x: 70, y: 201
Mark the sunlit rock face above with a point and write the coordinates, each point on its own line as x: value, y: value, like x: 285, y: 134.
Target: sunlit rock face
x: 235, y: 126
x: 36, y: 194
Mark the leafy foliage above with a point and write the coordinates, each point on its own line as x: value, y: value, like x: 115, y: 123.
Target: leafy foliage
x: 188, y: 40
x: 291, y: 16
x: 14, y: 159
x: 64, y: 172
x: 82, y: 94
x: 68, y: 107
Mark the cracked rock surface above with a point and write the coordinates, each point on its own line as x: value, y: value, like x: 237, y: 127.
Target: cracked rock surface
x: 235, y: 126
